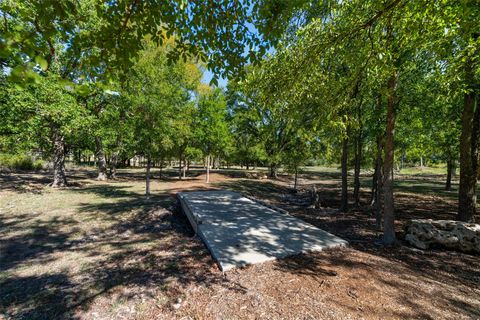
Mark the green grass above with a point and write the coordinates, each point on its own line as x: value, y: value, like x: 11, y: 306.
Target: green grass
x: 322, y: 169
x: 440, y: 169
x: 415, y: 180
x: 60, y: 249
x: 20, y: 162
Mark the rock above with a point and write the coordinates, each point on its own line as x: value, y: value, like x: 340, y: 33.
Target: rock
x: 413, y: 240
x: 451, y: 234
x: 256, y: 175
x: 314, y: 198
x: 178, y: 304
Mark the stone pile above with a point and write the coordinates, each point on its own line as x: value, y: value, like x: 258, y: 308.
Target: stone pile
x: 256, y: 175
x: 451, y: 234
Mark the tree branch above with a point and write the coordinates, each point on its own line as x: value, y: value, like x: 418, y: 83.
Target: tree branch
x: 49, y: 42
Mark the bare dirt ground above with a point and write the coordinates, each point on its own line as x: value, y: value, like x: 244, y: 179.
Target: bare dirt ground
x: 102, y: 250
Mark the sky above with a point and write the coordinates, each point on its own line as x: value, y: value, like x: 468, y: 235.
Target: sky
x: 208, y: 75
x: 222, y: 82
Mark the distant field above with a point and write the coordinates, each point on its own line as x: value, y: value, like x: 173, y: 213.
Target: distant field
x: 438, y: 169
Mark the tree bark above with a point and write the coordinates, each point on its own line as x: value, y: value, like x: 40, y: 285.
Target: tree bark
x: 59, y: 177
x: 467, y: 197
x: 344, y: 161
x: 376, y: 169
x: 184, y: 168
x: 113, y: 165
x: 387, y: 185
x: 180, y: 167
x: 160, y: 171
x: 377, y: 175
x: 450, y: 168
x: 207, y: 178
x: 295, y: 186
x: 377, y: 197
x: 358, y: 162
x: 100, y: 156
x: 79, y: 157
x: 273, y: 171
x: 147, y: 180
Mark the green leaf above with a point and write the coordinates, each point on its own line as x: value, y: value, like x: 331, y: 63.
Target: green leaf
x: 41, y: 62
x: 214, y: 81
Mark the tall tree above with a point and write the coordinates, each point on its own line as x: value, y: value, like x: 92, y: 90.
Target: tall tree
x: 211, y: 128
x: 155, y: 89
x: 50, y: 119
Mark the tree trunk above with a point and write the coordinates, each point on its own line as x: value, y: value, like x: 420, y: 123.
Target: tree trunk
x: 113, y: 165
x: 296, y: 179
x: 378, y: 155
x: 59, y: 178
x: 79, y: 157
x: 358, y: 162
x: 184, y: 168
x: 100, y: 156
x: 450, y: 167
x: 378, y: 207
x: 180, y: 167
x: 467, y: 198
x: 377, y: 196
x: 344, y: 161
x: 147, y: 180
x: 376, y: 169
x: 387, y: 185
x: 207, y: 178
x: 273, y: 171
x: 161, y: 167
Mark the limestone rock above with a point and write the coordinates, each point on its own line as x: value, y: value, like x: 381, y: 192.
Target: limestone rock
x: 256, y: 175
x: 457, y: 235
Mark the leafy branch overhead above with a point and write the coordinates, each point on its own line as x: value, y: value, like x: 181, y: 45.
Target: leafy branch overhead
x: 97, y: 36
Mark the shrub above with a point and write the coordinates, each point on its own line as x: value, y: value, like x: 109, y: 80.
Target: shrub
x: 38, y: 164
x: 19, y: 162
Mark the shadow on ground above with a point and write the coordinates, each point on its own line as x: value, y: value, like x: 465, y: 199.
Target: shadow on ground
x: 134, y: 242
x: 136, y: 248
x: 358, y: 227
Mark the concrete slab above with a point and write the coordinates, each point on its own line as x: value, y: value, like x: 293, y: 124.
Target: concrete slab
x: 240, y: 231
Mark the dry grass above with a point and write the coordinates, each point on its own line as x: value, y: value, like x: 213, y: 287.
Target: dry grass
x: 102, y: 250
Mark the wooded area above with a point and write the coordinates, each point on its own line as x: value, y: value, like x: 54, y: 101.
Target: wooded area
x: 372, y: 87
x: 371, y: 84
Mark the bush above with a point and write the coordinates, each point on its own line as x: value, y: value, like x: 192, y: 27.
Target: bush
x: 19, y: 162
